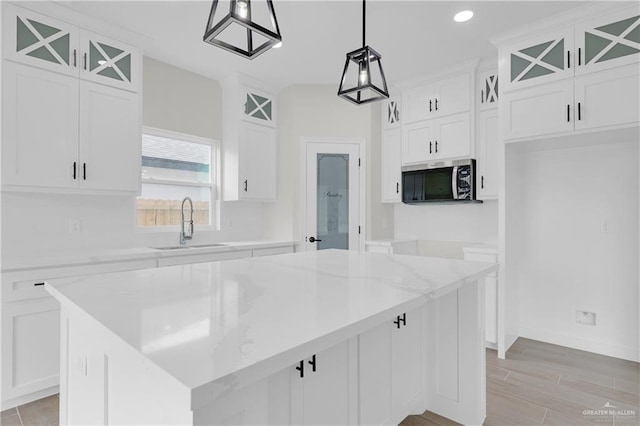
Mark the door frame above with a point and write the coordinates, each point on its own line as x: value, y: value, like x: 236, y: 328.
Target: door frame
x: 362, y: 189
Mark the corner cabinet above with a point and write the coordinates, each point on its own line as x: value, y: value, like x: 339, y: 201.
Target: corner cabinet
x: 250, y: 146
x: 487, y: 148
x: 391, y: 152
x: 71, y: 110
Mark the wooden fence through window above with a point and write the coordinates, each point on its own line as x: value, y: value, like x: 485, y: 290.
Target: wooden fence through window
x: 167, y: 212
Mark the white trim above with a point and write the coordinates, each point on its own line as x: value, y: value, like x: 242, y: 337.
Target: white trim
x: 361, y: 143
x: 154, y: 131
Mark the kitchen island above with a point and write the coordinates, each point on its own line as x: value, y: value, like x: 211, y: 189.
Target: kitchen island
x: 330, y: 337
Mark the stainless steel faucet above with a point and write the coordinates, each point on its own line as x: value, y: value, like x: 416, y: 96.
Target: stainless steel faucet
x: 183, y: 235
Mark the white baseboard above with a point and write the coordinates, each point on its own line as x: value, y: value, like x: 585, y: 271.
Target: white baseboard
x: 24, y: 399
x: 617, y: 351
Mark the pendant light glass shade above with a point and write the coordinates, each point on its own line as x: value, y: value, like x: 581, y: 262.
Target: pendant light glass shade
x: 363, y: 79
x: 245, y: 27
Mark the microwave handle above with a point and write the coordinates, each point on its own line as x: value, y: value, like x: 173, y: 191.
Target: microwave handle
x: 454, y: 182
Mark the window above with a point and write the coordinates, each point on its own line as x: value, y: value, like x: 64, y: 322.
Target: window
x: 175, y: 166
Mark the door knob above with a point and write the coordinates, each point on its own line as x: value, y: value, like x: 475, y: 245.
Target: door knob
x: 313, y: 239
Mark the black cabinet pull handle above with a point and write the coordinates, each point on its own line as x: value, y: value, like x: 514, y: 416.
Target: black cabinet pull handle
x: 436, y: 146
x: 436, y: 104
x: 430, y: 147
x: 397, y: 321
x: 75, y: 62
x: 579, y: 56
x: 401, y: 319
x: 482, y: 96
x: 85, y: 61
x: 579, y: 112
x: 300, y: 368
x: 312, y: 362
x: 568, y: 59
x: 37, y: 284
x: 84, y: 171
x: 314, y: 239
x: 74, y: 170
x: 568, y: 112
x: 246, y: 185
x: 430, y: 110
x: 482, y: 182
x: 397, y: 187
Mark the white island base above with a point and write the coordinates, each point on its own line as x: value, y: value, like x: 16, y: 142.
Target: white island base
x: 275, y: 340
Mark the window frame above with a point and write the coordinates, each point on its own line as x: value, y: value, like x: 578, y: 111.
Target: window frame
x: 214, y: 185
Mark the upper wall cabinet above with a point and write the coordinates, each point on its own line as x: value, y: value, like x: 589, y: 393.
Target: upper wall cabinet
x: 608, y: 41
x: 540, y: 59
x: 488, y: 85
x: 443, y: 97
x: 37, y: 40
x: 258, y: 107
x: 391, y: 113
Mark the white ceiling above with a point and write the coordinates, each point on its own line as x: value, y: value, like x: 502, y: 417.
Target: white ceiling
x: 413, y: 37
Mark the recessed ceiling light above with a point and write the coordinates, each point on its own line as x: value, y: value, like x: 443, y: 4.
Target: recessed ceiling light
x: 463, y: 16
x: 278, y: 45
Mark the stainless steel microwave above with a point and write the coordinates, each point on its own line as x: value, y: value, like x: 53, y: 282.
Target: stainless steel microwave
x: 443, y: 182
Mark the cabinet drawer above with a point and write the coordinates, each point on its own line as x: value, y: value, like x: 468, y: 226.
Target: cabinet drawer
x: 201, y: 258
x: 272, y: 250
x: 25, y: 285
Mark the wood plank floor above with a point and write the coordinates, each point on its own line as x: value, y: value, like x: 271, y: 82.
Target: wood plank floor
x: 537, y: 384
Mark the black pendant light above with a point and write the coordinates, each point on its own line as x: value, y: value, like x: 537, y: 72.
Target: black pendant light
x: 363, y: 80
x: 239, y: 31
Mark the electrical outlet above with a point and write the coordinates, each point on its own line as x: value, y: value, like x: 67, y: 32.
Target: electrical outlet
x: 74, y: 226
x: 586, y: 318
x: 604, y: 227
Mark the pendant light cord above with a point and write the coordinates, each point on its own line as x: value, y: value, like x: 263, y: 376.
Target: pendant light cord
x: 364, y: 21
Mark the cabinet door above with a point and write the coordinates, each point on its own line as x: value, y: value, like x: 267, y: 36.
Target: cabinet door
x: 542, y: 59
x: 538, y: 111
x: 408, y: 389
x: 418, y: 142
x: 391, y: 113
x: 109, y: 62
x: 488, y: 90
x: 257, y: 162
x: 452, y: 95
x: 30, y: 347
x: 40, y: 41
x: 324, y: 396
x: 491, y: 306
x: 258, y: 107
x: 375, y: 373
x: 611, y: 40
x: 418, y: 103
x: 453, y: 137
x: 40, y: 127
x: 487, y: 145
x: 391, y: 173
x: 110, y: 140
x: 607, y: 98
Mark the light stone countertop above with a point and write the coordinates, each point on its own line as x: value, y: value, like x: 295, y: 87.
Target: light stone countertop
x: 92, y: 257
x: 209, y: 324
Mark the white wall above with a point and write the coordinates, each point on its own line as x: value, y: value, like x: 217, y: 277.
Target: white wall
x: 565, y: 263
x: 315, y: 111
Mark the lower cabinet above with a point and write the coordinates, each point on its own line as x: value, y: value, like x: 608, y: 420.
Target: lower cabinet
x: 391, y: 370
x: 490, y: 291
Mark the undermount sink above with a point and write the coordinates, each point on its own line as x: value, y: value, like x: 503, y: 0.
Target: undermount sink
x: 189, y: 246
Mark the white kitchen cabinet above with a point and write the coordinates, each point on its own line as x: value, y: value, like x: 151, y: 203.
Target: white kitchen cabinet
x: 447, y: 96
x: 444, y: 138
x: 487, y: 146
x: 109, y: 152
x: 488, y: 86
x: 537, y: 111
x: 542, y: 58
x: 30, y: 348
x: 609, y: 40
x: 249, y: 141
x: 320, y: 389
x: 391, y: 168
x: 108, y: 61
x: 607, y: 98
x: 40, y: 41
x: 40, y: 127
x: 391, y: 369
x: 487, y: 254
x: 391, y: 113
x: 257, y: 160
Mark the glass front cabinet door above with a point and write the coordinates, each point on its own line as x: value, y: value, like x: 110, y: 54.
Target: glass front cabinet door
x: 391, y: 113
x: 40, y: 41
x: 108, y: 62
x: 258, y: 107
x: 611, y: 40
x: 488, y: 90
x: 545, y: 58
